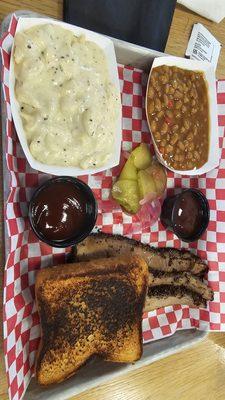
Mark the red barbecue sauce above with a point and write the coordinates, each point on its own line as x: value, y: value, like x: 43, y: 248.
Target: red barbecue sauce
x: 59, y: 211
x: 187, y: 214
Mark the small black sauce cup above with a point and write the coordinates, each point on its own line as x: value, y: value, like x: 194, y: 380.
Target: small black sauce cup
x: 91, y: 212
x: 168, y: 214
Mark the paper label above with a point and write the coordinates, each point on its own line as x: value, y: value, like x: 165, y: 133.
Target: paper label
x: 203, y: 46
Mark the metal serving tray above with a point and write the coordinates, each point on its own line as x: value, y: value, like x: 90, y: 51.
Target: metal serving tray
x: 100, y: 372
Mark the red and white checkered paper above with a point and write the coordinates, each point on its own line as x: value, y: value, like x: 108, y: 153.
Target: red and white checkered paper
x: 27, y: 254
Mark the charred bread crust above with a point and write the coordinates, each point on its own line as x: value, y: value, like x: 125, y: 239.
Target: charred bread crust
x: 118, y: 286
x: 101, y: 266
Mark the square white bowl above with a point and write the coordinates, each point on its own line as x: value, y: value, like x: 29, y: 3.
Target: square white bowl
x: 209, y: 75
x: 108, y: 48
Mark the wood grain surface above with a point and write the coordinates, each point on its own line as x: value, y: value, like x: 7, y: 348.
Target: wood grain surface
x: 197, y: 373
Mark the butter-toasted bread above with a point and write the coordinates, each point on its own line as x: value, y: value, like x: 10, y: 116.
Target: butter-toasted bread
x: 89, y: 308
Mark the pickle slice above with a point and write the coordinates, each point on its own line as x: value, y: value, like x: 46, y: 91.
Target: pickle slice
x: 142, y: 156
x: 126, y: 193
x: 146, y: 184
x: 129, y: 170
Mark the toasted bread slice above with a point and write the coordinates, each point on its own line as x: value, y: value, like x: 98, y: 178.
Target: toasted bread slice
x: 89, y: 308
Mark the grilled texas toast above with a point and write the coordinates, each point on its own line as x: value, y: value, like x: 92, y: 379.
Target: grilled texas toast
x: 86, y: 309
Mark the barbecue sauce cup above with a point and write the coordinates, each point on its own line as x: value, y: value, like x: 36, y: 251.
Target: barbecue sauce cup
x: 63, y: 211
x: 186, y: 214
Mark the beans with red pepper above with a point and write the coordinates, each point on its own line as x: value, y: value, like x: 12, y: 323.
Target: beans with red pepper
x: 178, y: 113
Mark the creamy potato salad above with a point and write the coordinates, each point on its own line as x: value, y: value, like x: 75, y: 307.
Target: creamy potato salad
x: 68, y: 105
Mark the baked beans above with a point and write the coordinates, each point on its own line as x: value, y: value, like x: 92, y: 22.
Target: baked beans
x: 178, y: 113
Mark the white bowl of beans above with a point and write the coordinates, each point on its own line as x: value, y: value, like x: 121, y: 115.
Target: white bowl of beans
x: 181, y: 111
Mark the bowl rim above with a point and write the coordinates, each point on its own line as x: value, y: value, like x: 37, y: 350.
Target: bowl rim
x: 71, y: 241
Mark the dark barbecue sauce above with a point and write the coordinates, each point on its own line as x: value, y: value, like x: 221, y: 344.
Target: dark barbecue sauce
x: 188, y: 214
x: 59, y: 211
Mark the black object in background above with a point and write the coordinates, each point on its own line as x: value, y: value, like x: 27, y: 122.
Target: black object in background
x: 143, y: 22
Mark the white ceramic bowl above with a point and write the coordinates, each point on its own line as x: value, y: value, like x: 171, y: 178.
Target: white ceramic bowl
x: 108, y: 48
x: 209, y: 74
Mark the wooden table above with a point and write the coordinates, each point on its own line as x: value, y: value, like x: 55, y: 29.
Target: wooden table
x: 199, y: 372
